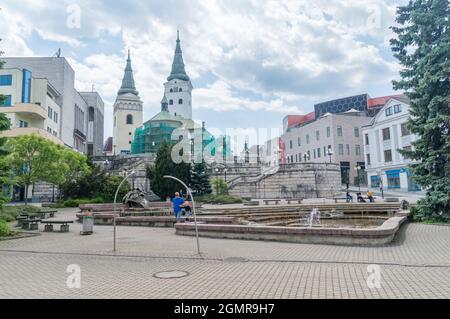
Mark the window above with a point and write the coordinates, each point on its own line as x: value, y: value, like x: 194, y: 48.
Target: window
x: 55, y: 117
x: 388, y: 156
x: 6, y: 80
x: 339, y: 130
x: 115, y: 121
x: 129, y: 119
x: 367, y: 139
x: 315, y: 154
x: 368, y: 159
x: 290, y: 144
x: 50, y: 112
x: 328, y: 131
x: 299, y: 141
x: 356, y: 131
x: 341, y: 149
x: 357, y: 150
x: 171, y: 102
x: 181, y: 90
x: 300, y: 157
x: 318, y: 152
x: 309, y: 155
x: 389, y: 111
x: 171, y: 90
x: 180, y: 101
x: 23, y: 124
x: 317, y: 135
x: 7, y: 101
x: 348, y: 149
x: 296, y: 157
x: 292, y: 158
x: 397, y: 108
x: 374, y: 181
x: 49, y: 129
x: 26, y: 86
x: 307, y: 138
x: 91, y: 114
x: 405, y: 130
x: 386, y: 134
x: 393, y: 178
x: 408, y: 149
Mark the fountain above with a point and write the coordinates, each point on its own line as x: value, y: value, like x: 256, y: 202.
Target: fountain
x: 314, y: 217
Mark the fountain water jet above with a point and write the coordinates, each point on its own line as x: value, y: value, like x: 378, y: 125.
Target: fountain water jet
x: 314, y: 217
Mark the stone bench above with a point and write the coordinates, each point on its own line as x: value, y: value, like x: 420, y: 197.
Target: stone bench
x: 298, y: 201
x: 251, y: 203
x: 268, y: 201
x: 391, y: 200
x: 64, y: 225
x: 30, y: 224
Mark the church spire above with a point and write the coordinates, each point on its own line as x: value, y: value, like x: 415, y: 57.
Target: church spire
x: 164, y: 104
x: 128, y: 85
x: 178, y: 71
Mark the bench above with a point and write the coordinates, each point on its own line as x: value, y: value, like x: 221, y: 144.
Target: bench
x: 299, y: 201
x: 268, y: 201
x: 251, y: 203
x: 339, y: 198
x: 64, y: 225
x: 30, y: 224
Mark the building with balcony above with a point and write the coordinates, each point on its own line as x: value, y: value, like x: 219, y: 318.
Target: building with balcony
x: 32, y: 105
x: 384, y: 136
x: 24, y: 77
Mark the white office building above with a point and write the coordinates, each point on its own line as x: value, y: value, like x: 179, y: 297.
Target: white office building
x: 383, y: 137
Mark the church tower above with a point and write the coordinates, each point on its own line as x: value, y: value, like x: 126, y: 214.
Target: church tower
x: 178, y: 88
x: 127, y: 113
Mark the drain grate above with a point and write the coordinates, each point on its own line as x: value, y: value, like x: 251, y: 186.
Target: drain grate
x: 172, y: 274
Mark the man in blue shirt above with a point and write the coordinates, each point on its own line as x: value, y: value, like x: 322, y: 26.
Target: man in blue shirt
x: 177, y: 201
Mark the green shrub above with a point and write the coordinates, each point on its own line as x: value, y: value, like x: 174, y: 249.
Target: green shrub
x: 9, y: 213
x: 219, y: 199
x: 83, y: 201
x: 4, y: 228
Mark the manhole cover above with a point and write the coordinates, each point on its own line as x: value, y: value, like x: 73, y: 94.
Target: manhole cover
x: 235, y: 260
x: 171, y: 274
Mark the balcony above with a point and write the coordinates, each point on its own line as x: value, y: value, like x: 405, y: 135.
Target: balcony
x: 31, y: 111
x: 15, y: 132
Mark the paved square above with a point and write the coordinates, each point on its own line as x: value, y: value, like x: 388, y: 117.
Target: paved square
x: 415, y: 265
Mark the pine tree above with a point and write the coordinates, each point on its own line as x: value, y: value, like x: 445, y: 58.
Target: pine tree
x: 422, y: 47
x: 165, y: 166
x: 200, y: 180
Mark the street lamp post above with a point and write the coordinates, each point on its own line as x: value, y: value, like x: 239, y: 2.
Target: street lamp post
x: 193, y: 208
x: 115, y: 199
x: 380, y: 179
x: 225, y: 170
x: 357, y: 169
x: 330, y: 153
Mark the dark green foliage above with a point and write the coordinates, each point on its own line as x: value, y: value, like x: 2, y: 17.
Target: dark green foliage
x: 200, y: 180
x: 4, y: 167
x: 423, y: 48
x: 220, y: 186
x: 95, y: 183
x: 165, y: 166
x: 4, y: 229
x: 9, y: 213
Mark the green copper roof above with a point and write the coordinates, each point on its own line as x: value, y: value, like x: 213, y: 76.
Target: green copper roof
x: 128, y: 85
x: 178, y: 71
x: 164, y: 105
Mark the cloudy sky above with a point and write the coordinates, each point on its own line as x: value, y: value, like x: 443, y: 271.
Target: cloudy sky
x: 251, y: 61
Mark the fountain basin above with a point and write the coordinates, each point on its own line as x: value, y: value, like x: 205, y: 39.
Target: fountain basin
x: 375, y: 236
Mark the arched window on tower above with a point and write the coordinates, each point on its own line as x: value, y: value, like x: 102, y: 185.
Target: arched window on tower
x: 181, y: 90
x: 171, y: 102
x: 180, y: 101
x: 171, y: 90
x: 129, y: 119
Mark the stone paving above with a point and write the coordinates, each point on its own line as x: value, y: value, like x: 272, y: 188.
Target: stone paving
x: 415, y: 265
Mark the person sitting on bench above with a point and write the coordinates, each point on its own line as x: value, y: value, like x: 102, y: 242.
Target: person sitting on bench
x: 360, y: 198
x: 370, y: 196
x: 349, y: 197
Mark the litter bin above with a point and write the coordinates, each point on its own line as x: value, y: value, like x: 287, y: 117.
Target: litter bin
x: 88, y: 224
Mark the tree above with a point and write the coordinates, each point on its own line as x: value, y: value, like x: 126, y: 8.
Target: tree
x: 220, y: 186
x: 165, y: 166
x: 422, y: 47
x: 4, y: 168
x: 200, y: 180
x: 32, y: 159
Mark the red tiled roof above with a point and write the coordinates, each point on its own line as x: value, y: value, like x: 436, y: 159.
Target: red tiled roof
x: 380, y: 101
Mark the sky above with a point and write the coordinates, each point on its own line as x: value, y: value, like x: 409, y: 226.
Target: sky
x: 251, y: 62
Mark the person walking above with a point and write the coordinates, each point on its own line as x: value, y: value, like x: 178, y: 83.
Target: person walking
x: 177, y: 203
